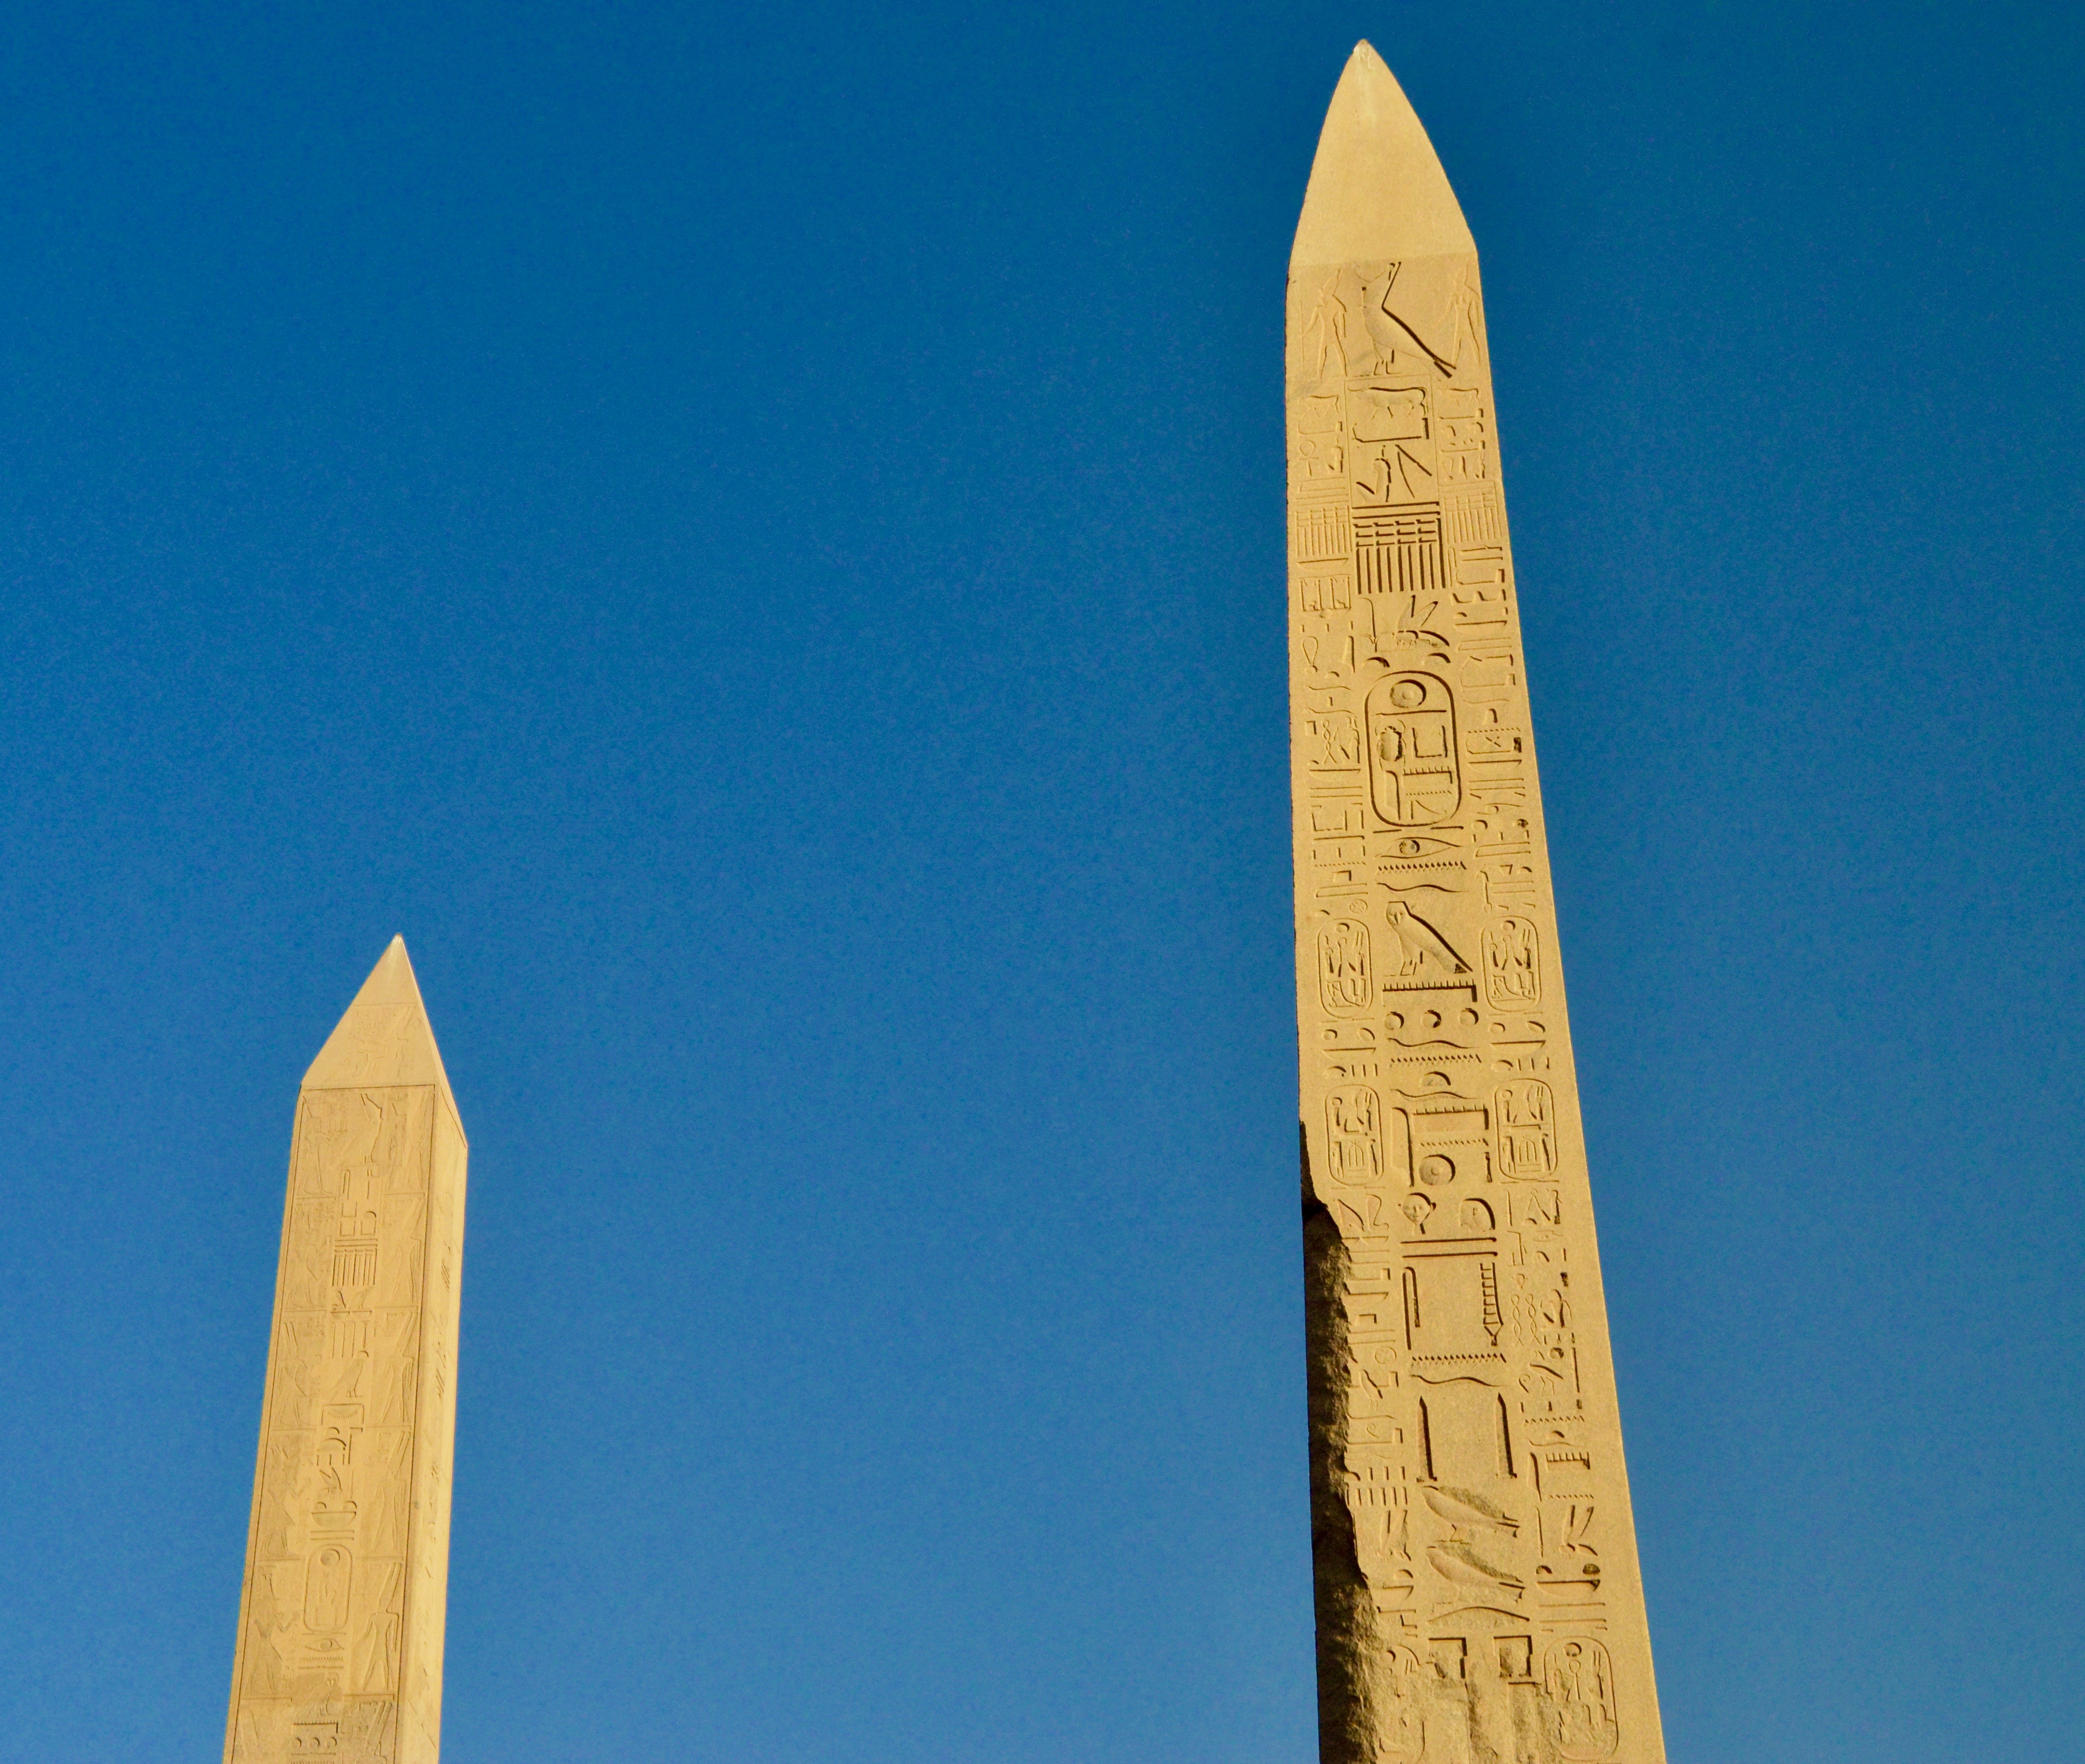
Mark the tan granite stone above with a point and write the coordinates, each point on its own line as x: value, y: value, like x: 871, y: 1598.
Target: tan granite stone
x: 1478, y: 1596
x: 339, y: 1653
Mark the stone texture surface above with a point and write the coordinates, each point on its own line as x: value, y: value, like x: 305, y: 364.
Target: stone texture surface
x: 1478, y: 1599
x: 339, y: 1652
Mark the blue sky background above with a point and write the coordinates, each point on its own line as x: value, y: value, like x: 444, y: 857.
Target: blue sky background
x: 753, y: 537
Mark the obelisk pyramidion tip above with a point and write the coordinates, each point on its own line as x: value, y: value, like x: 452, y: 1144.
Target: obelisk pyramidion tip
x: 1378, y: 192
x: 385, y: 1037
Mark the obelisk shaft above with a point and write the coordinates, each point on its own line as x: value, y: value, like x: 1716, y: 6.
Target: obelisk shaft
x: 339, y: 1652
x: 1478, y: 1592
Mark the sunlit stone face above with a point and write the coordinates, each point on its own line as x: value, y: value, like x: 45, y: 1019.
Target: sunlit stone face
x: 339, y: 1653
x: 1477, y: 1584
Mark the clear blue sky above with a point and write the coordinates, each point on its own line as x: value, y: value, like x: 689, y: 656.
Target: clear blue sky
x: 753, y: 537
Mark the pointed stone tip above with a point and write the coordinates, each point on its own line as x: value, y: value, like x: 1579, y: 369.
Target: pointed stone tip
x: 384, y: 1038
x: 392, y: 981
x: 1378, y: 192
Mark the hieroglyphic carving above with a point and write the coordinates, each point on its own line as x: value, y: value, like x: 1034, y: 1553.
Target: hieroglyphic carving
x: 1513, y: 975
x: 1353, y: 1134
x: 1526, y: 1115
x: 1346, y: 971
x: 1479, y: 1597
x: 1578, y: 1686
x: 1416, y: 770
x: 346, y: 1557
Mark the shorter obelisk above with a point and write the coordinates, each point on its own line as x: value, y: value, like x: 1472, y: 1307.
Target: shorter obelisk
x: 339, y: 1653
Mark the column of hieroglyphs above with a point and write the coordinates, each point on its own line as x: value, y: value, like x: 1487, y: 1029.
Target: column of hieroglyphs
x: 339, y: 1653
x: 1478, y: 1592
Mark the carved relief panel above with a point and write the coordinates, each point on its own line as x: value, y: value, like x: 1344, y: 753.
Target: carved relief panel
x: 1413, y: 766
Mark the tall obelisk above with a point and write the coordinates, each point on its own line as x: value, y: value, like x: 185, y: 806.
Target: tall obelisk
x: 339, y: 1653
x: 1477, y: 1595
